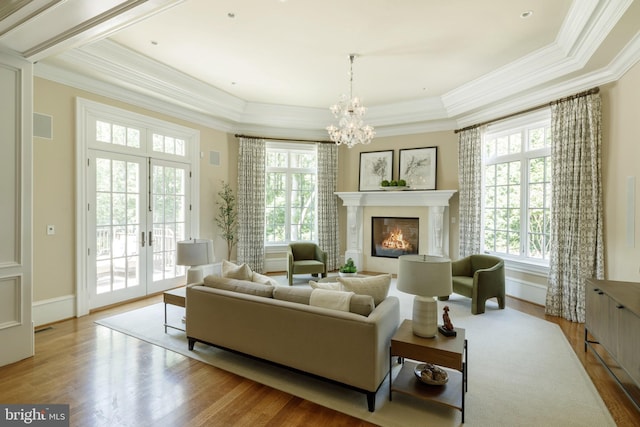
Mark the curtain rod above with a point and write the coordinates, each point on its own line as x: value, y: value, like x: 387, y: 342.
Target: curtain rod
x: 529, y: 110
x: 237, y: 135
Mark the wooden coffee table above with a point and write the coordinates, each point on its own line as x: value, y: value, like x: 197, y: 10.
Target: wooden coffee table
x: 176, y: 297
x: 447, y: 352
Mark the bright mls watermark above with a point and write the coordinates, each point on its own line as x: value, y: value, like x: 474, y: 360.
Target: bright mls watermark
x: 34, y: 415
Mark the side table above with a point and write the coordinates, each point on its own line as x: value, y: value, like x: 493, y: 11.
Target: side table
x: 176, y: 297
x: 447, y: 352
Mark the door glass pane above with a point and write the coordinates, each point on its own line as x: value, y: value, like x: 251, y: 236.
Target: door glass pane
x: 169, y: 213
x: 117, y: 215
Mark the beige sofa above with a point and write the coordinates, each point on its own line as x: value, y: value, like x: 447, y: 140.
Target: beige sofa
x: 277, y: 324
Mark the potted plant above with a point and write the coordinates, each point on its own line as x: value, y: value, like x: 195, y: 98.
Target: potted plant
x: 349, y: 269
x: 227, y: 217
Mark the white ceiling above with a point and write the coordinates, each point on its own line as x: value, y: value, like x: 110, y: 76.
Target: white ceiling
x: 273, y: 67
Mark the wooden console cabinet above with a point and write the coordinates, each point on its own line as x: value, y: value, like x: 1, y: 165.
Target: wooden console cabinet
x: 613, y: 321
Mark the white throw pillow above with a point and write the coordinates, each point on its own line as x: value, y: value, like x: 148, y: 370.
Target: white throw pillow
x: 376, y: 286
x: 261, y: 278
x: 331, y: 286
x: 233, y: 271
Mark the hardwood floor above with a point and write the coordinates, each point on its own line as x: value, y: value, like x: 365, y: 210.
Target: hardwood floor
x: 111, y: 379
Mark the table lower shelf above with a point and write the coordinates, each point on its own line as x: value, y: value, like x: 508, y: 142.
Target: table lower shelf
x: 450, y: 394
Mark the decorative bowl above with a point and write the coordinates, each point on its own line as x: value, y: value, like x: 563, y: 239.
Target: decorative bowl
x: 431, y: 374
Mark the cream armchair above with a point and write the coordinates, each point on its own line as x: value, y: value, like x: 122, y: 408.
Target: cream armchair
x: 305, y: 258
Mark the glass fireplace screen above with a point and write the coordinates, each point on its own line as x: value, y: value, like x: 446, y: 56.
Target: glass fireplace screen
x: 394, y: 236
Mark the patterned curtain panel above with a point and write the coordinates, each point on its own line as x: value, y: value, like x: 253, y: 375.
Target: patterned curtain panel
x: 470, y: 193
x: 328, y: 230
x: 251, y: 194
x: 577, y: 243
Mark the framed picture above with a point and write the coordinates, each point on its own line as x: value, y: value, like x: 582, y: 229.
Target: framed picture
x: 418, y: 167
x: 375, y: 166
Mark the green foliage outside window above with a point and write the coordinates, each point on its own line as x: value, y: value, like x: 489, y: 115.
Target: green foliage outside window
x: 517, y: 193
x: 290, y: 195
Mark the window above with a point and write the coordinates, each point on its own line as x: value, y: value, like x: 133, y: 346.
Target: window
x: 516, y: 215
x: 290, y: 193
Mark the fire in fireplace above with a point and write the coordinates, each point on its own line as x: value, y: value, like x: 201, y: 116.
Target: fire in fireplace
x: 394, y: 236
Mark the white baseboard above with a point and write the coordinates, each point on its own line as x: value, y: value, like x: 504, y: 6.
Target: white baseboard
x: 527, y: 291
x: 275, y: 264
x: 53, y: 310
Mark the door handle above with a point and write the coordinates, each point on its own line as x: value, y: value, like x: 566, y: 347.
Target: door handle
x: 151, y: 238
x: 142, y: 238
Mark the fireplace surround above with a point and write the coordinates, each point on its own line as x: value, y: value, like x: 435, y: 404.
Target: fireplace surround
x: 436, y: 216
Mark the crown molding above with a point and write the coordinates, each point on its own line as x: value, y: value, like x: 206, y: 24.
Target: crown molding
x: 587, y: 25
x: 125, y: 66
x: 108, y: 69
x: 619, y: 65
x: 119, y: 93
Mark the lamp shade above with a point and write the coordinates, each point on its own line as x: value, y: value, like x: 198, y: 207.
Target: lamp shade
x: 424, y: 275
x: 195, y: 252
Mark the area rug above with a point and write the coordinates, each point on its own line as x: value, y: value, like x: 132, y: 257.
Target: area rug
x: 522, y: 372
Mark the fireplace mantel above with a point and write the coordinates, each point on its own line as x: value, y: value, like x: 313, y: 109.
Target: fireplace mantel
x: 397, y: 198
x: 436, y: 201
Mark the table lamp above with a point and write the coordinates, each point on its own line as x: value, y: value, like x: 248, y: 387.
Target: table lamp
x: 426, y: 277
x: 193, y: 253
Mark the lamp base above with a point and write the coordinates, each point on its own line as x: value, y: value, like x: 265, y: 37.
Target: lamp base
x: 195, y: 274
x: 425, y: 316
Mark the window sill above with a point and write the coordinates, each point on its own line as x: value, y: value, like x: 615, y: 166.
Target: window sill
x: 532, y: 268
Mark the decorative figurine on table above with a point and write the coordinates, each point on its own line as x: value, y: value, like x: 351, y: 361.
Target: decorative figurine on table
x: 447, y: 327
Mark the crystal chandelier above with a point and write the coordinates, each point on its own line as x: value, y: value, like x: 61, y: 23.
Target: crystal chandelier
x: 349, y: 112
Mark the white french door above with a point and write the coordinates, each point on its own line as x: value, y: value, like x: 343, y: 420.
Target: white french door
x: 136, y: 200
x: 168, y: 222
x: 137, y: 214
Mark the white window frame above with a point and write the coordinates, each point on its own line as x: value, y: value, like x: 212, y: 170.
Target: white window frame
x: 290, y: 147
x: 540, y: 118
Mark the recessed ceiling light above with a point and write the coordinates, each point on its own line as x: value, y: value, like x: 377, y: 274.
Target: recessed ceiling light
x: 526, y: 14
x: 231, y: 15
x: 153, y: 42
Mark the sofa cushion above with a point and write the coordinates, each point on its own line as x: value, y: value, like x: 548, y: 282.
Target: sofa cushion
x: 233, y: 271
x: 261, y: 278
x: 332, y: 286
x: 333, y: 300
x: 360, y: 304
x: 242, y: 286
x: 375, y: 286
x: 297, y: 295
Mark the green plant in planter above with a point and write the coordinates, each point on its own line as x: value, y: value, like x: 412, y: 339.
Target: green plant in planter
x: 227, y: 217
x: 349, y: 267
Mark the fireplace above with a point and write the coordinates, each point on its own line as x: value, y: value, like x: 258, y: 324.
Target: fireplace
x: 394, y: 236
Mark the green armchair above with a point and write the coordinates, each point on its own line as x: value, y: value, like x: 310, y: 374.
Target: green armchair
x: 479, y: 277
x: 305, y: 258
